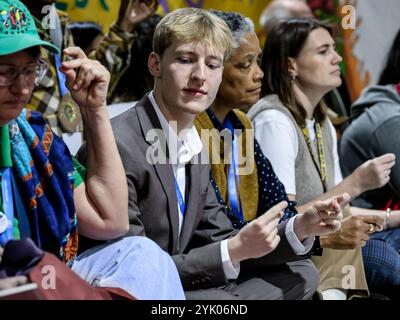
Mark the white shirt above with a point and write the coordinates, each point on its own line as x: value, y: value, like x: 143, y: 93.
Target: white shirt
x: 278, y: 140
x: 189, y: 145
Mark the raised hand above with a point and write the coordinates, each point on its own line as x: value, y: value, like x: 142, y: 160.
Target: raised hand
x: 258, y: 237
x: 87, y: 79
x: 132, y: 12
x: 375, y: 173
x: 322, y: 218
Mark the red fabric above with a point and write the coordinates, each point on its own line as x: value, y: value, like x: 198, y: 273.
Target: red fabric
x: 397, y: 87
x: 393, y: 203
x: 61, y: 283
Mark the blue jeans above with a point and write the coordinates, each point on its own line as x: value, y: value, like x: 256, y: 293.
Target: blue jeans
x: 381, y: 257
x: 136, y: 264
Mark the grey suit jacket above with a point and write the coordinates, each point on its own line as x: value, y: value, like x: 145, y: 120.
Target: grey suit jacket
x: 153, y: 209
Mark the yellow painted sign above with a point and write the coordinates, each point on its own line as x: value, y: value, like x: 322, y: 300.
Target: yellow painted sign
x: 105, y: 12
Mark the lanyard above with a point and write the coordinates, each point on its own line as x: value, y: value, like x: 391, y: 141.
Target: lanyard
x: 233, y: 178
x: 321, y: 153
x: 60, y: 76
x: 180, y: 198
x: 6, y: 218
x: 56, y: 35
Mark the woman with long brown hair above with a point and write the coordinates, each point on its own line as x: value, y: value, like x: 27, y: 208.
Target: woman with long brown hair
x: 301, y: 65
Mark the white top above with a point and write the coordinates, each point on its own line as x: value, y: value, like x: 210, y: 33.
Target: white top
x: 277, y: 136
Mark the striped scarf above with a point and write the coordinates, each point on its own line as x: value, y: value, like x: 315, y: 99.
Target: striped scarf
x: 45, y: 174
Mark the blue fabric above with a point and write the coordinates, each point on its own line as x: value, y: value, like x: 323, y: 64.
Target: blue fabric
x: 270, y: 188
x: 381, y: 257
x: 136, y: 264
x: 44, y: 172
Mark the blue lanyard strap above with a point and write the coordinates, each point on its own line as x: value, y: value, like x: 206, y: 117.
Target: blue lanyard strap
x: 60, y: 76
x: 233, y: 178
x: 180, y: 198
x: 8, y: 205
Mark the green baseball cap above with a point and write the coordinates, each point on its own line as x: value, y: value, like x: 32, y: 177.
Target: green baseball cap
x: 17, y: 29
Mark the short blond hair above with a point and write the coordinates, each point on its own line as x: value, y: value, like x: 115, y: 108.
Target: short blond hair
x: 192, y: 25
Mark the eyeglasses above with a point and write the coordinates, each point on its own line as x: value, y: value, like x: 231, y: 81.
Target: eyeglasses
x: 33, y: 72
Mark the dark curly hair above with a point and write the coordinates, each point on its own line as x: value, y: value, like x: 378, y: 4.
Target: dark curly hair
x: 237, y: 23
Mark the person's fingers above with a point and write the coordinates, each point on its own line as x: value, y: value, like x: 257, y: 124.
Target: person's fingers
x: 74, y: 52
x: 11, y: 282
x: 363, y: 243
x: 276, y: 241
x: 20, y: 280
x: 272, y: 235
x: 388, y: 166
x: 70, y: 75
x: 85, y: 77
x: 375, y: 219
x: 386, y: 158
x: 331, y: 218
x: 327, y: 207
x: 73, y: 64
x: 343, y: 200
x: 270, y: 226
x: 335, y: 225
x: 274, y: 212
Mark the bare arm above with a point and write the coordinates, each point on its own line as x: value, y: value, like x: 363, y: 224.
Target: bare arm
x: 370, y: 175
x: 394, y: 216
x: 102, y: 202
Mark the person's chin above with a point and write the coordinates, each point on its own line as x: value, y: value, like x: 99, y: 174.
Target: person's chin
x: 9, y: 117
x: 11, y: 113
x: 197, y: 107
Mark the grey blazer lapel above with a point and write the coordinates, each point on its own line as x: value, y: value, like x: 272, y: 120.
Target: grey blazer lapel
x: 192, y: 203
x: 149, y: 121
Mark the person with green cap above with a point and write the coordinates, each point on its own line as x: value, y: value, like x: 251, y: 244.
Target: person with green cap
x: 50, y: 96
x: 44, y: 192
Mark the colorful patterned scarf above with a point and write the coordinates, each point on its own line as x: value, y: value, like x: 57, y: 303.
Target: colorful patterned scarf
x: 45, y: 173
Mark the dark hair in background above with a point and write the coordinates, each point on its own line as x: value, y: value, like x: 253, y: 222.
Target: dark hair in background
x: 286, y: 40
x: 391, y: 71
x: 137, y: 80
x: 84, y: 33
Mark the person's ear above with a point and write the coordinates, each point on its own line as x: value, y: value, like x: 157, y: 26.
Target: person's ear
x: 154, y: 64
x: 292, y: 68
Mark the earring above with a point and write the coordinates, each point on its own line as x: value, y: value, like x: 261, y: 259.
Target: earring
x: 292, y: 78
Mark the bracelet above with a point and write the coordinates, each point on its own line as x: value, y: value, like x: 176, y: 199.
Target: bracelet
x: 387, y: 217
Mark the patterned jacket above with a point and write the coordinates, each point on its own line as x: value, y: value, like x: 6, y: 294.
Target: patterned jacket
x: 113, y: 53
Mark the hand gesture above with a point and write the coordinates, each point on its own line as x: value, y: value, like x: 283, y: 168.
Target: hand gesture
x: 257, y: 238
x: 354, y: 232
x: 7, y: 283
x: 375, y: 173
x: 322, y: 218
x: 132, y: 12
x: 87, y: 79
